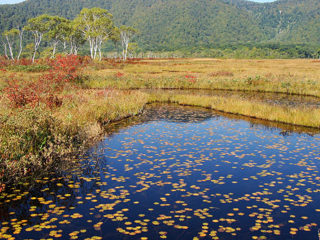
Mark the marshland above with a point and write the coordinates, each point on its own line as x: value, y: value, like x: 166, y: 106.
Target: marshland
x: 160, y: 148
x: 113, y: 132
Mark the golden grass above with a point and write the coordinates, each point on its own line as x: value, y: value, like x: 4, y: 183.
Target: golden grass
x: 86, y: 112
x: 104, y: 106
x: 85, y: 116
x: 298, y: 76
x: 295, y: 116
x: 32, y: 139
x: 88, y: 107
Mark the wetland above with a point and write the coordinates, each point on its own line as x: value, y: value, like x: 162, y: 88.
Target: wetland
x: 176, y: 172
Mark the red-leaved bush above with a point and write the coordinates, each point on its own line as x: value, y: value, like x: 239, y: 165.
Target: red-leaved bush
x: 119, y: 75
x: 31, y: 94
x: 48, y: 87
x: 191, y: 78
x: 19, y: 95
x: 67, y: 67
x: 5, y: 62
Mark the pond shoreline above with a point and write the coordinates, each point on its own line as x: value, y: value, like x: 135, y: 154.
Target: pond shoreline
x: 239, y: 114
x: 219, y: 89
x: 189, y: 165
x: 85, y: 141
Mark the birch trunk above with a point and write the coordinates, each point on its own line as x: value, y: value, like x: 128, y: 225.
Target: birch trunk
x: 20, y: 43
x: 5, y: 49
x: 54, y: 48
x: 37, y: 41
x: 10, y: 47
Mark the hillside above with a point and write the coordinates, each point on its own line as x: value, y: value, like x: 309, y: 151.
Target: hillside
x: 171, y: 24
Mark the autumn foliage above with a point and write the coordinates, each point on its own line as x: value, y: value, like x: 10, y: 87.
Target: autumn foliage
x: 48, y: 87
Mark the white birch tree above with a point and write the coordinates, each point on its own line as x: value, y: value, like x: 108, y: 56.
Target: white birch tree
x: 38, y: 26
x: 126, y: 34
x: 96, y: 25
x: 74, y: 37
x: 13, y: 37
x: 58, y: 30
x: 54, y: 34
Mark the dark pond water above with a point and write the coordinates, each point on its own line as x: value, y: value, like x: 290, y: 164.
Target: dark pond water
x: 177, y: 173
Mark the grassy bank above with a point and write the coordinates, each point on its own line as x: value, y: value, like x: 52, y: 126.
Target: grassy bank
x: 36, y: 138
x: 48, y: 116
x: 295, y: 116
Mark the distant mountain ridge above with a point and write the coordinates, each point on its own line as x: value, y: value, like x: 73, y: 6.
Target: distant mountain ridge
x: 172, y: 24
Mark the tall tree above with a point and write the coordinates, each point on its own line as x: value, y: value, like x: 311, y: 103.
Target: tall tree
x: 11, y: 40
x: 115, y: 38
x: 38, y: 26
x: 75, y: 38
x: 126, y: 34
x: 58, y: 29
x: 97, y: 26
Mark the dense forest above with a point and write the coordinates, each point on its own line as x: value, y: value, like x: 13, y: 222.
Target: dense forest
x: 191, y: 25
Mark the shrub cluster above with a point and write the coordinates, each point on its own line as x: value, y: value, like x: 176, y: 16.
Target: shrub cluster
x: 30, y: 137
x: 47, y: 89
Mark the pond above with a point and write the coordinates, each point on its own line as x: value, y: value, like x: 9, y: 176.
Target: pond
x: 177, y: 173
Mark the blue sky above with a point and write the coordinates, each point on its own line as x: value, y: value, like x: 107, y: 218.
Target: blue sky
x: 16, y: 1
x: 10, y: 1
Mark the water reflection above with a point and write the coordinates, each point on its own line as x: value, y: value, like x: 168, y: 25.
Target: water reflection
x: 178, y: 113
x: 281, y: 99
x: 177, y: 173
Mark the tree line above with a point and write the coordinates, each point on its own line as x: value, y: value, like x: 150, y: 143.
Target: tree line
x: 94, y: 26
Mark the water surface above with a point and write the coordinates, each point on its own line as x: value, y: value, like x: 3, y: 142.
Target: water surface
x: 177, y: 173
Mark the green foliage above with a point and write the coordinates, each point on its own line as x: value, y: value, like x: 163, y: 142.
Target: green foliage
x: 29, y: 68
x: 171, y: 25
x: 11, y: 33
x: 40, y: 24
x: 94, y: 22
x: 96, y: 25
x: 189, y: 24
x: 251, y: 51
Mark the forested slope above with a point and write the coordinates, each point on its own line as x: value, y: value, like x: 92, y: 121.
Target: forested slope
x: 172, y: 24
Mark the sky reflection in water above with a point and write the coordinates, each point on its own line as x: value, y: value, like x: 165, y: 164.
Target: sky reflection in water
x: 177, y: 173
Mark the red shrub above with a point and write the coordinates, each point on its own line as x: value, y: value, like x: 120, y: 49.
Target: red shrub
x: 67, y: 66
x: 48, y: 87
x: 192, y: 79
x: 33, y: 93
x: 19, y: 95
x: 53, y: 101
x: 119, y: 74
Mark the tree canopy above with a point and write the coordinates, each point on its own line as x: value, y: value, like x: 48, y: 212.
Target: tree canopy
x: 171, y: 25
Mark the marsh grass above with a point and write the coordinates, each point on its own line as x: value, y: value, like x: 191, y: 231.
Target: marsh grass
x: 33, y: 138
x: 36, y: 138
x: 284, y: 76
x: 272, y: 112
